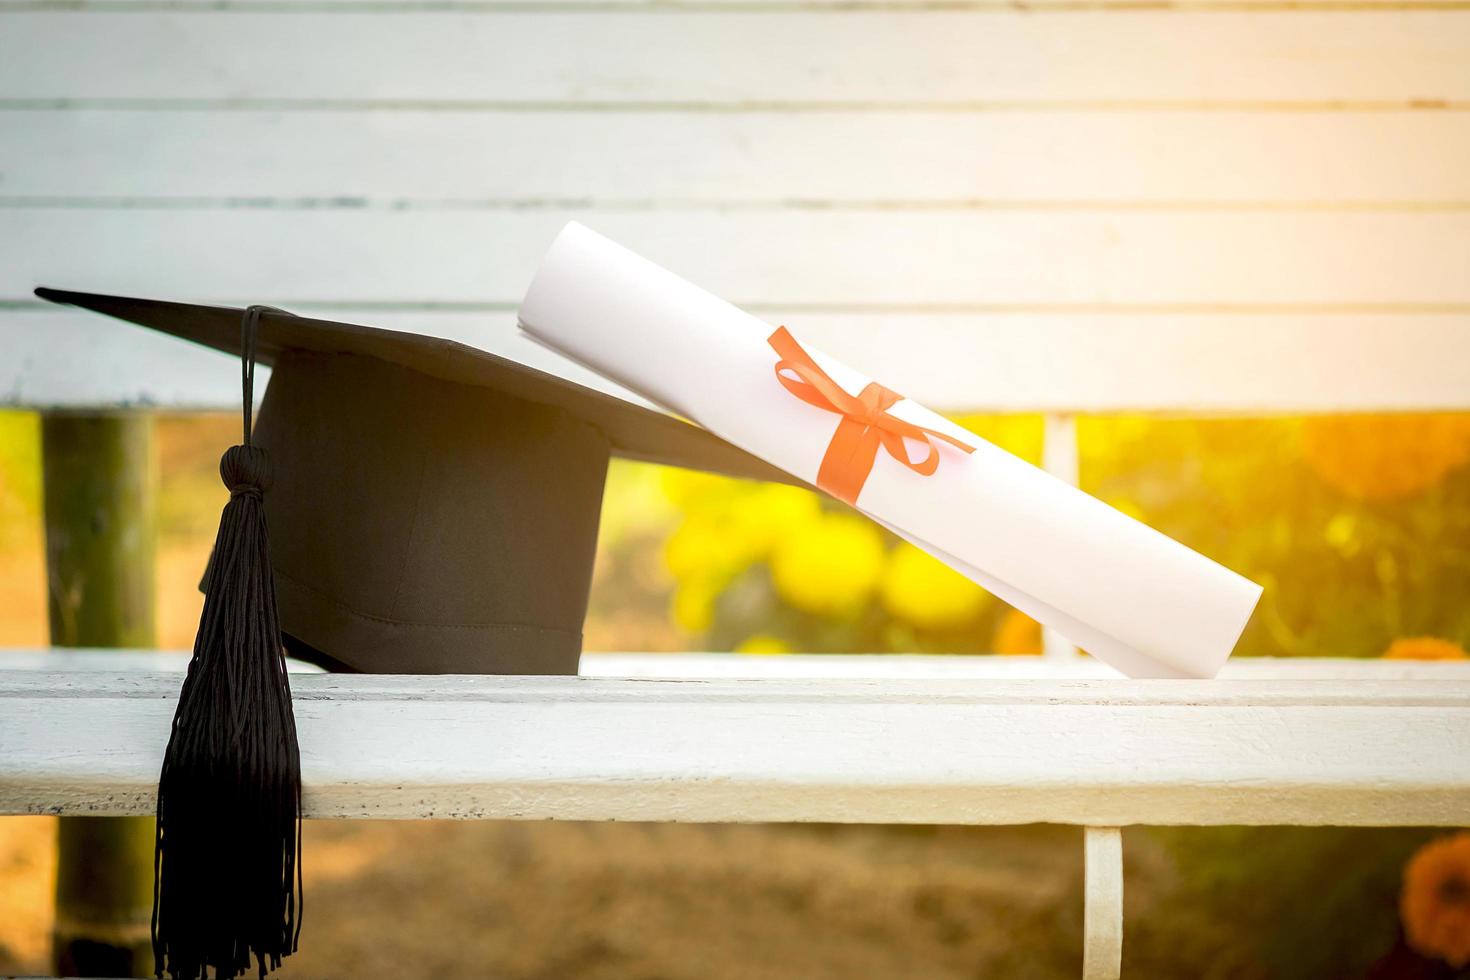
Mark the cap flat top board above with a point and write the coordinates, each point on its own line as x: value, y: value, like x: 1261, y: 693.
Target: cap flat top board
x: 635, y: 432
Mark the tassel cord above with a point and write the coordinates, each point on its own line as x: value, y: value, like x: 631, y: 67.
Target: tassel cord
x: 227, y: 868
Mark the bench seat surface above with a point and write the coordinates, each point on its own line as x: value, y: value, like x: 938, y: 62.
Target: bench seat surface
x: 918, y: 740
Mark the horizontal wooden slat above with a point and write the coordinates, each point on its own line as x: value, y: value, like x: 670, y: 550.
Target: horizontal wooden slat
x: 676, y: 160
x: 741, y: 59
x: 800, y: 666
x: 67, y: 359
x: 705, y: 6
x: 822, y: 666
x: 1193, y: 363
x: 937, y: 261
x: 1199, y: 363
x: 1082, y: 752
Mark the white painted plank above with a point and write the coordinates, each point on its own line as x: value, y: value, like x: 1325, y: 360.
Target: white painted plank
x: 70, y: 360
x: 111, y: 660
x: 1170, y: 363
x: 823, y: 666
x: 62, y: 358
x: 988, y: 667
x: 1099, y: 753
x: 674, y: 160
x: 1102, y: 929
x: 882, y: 57
x: 693, y: 6
x: 1093, y: 261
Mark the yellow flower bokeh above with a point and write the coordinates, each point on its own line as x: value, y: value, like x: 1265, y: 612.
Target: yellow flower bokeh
x: 1424, y: 648
x: 1017, y: 635
x: 829, y: 566
x: 689, y: 488
x: 709, y: 546
x: 763, y: 643
x: 727, y: 526
x: 773, y: 510
x: 922, y: 590
x: 694, y: 604
x: 1385, y: 457
x: 733, y: 525
x: 821, y: 562
x: 1435, y: 903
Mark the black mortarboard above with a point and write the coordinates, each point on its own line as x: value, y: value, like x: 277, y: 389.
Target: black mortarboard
x: 433, y: 508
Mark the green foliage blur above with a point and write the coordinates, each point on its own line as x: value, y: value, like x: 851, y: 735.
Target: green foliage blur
x: 1306, y: 901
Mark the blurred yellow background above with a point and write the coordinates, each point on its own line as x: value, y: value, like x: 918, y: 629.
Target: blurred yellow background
x: 1357, y: 526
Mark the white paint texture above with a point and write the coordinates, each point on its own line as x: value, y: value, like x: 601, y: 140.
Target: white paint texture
x: 1088, y: 752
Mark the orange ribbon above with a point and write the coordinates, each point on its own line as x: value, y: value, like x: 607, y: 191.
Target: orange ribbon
x: 865, y: 424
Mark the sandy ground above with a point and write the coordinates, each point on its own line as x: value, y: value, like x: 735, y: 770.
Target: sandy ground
x: 538, y: 901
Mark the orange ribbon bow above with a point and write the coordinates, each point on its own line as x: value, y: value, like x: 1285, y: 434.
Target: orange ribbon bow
x: 865, y: 424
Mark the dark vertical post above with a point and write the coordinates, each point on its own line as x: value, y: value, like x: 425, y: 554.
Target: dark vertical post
x: 100, y: 524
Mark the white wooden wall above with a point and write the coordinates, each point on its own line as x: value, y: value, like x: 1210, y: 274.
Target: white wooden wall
x: 1070, y: 204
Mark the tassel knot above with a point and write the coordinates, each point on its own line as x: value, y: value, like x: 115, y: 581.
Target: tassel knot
x: 246, y: 470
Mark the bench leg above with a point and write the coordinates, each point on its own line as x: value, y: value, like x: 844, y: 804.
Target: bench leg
x: 100, y: 512
x: 1102, y: 917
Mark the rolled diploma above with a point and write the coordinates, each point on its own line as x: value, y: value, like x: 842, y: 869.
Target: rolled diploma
x: 1131, y: 596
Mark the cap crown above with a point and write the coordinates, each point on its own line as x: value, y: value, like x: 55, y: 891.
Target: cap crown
x: 423, y: 526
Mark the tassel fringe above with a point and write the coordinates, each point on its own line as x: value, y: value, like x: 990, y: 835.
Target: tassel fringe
x: 227, y: 863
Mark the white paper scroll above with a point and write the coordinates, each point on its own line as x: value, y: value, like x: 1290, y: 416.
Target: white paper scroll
x: 1129, y: 595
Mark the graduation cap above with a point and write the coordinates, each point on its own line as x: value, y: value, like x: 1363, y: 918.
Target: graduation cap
x: 433, y: 508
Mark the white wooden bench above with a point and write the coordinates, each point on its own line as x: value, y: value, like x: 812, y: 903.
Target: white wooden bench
x: 877, y: 739
x: 1078, y: 208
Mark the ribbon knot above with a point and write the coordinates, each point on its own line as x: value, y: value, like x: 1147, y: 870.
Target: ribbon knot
x: 865, y: 426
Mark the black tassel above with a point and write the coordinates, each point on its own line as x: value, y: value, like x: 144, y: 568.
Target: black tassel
x: 227, y: 863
